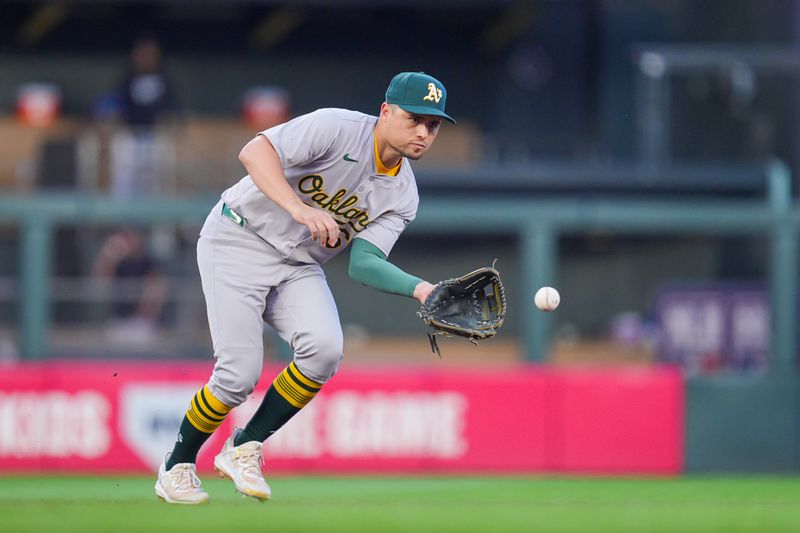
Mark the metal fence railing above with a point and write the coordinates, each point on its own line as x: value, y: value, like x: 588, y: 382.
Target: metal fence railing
x: 538, y: 223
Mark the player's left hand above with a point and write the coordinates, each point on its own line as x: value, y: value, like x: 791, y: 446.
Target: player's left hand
x: 422, y: 290
x: 471, y: 306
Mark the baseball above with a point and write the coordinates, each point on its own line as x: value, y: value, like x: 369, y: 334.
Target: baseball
x: 547, y: 298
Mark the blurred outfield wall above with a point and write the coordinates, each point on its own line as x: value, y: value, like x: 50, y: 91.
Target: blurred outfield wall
x: 115, y: 416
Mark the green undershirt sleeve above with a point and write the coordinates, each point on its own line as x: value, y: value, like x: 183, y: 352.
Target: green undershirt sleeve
x: 368, y: 266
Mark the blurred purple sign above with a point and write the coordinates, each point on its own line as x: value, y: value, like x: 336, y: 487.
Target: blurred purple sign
x: 709, y: 330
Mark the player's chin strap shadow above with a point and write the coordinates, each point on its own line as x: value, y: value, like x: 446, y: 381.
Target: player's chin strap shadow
x: 435, y: 345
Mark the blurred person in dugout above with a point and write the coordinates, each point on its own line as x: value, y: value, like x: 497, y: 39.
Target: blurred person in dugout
x: 145, y: 97
x: 138, y: 284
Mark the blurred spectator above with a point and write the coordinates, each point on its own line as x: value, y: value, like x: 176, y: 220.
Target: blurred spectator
x: 38, y: 104
x: 124, y: 258
x: 266, y: 106
x: 144, y: 97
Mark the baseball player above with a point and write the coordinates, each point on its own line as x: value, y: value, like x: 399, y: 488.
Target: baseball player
x: 315, y: 185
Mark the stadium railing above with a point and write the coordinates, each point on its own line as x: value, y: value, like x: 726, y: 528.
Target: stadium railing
x: 537, y: 222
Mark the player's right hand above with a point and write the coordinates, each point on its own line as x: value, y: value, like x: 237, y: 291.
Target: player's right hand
x: 321, y: 224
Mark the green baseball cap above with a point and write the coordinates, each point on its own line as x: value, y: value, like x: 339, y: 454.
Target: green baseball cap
x: 418, y: 93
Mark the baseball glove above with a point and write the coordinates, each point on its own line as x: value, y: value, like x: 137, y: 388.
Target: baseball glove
x: 471, y: 306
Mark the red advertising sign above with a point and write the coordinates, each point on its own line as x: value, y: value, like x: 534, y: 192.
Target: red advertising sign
x: 116, y: 416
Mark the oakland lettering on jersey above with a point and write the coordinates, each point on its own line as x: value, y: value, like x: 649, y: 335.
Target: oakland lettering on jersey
x: 340, y: 204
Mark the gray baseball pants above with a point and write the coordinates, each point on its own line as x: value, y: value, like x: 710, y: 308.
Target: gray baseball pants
x: 246, y: 282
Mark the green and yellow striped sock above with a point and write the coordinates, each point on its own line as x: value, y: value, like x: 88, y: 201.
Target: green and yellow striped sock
x: 206, y: 413
x: 203, y: 417
x: 290, y: 392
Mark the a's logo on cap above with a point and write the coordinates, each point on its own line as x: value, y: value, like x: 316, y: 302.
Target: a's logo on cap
x: 434, y: 94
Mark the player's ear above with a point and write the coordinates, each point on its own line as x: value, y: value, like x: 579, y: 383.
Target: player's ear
x: 386, y: 110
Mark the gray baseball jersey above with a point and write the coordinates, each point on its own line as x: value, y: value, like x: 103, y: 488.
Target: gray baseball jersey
x: 328, y: 157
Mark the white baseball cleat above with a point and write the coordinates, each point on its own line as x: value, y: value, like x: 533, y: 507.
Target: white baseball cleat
x: 242, y: 465
x: 180, y: 484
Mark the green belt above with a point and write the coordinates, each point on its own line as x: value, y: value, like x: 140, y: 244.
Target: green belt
x: 233, y: 215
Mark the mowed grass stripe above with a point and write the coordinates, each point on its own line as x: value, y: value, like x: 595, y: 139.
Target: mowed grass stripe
x: 55, y: 503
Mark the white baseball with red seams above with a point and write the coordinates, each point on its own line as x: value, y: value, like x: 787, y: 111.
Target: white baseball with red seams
x: 547, y: 298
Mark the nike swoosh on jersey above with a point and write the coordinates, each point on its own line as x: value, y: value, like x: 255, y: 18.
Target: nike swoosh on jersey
x: 348, y: 158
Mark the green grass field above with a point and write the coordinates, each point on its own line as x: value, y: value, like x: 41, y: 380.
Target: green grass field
x: 415, y: 504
